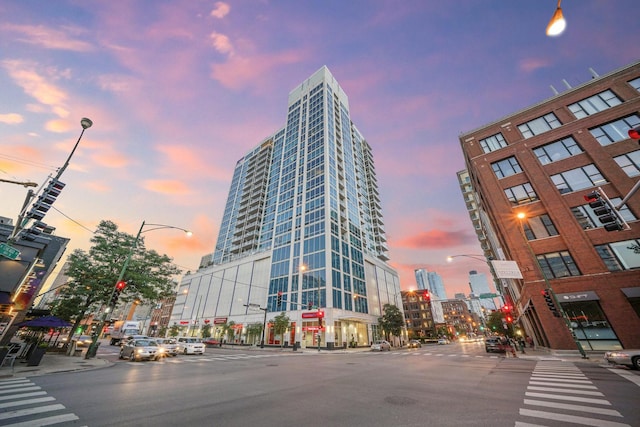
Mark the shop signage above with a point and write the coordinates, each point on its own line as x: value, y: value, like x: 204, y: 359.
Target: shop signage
x: 219, y: 320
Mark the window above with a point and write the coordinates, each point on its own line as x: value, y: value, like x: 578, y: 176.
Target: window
x: 615, y: 131
x: 521, y: 194
x: 557, y: 264
x: 539, y: 125
x: 594, y: 104
x: 630, y: 163
x: 588, y: 219
x: 578, y: 179
x: 557, y: 150
x: 635, y: 83
x: 619, y: 256
x: 539, y: 227
x: 492, y: 143
x: 506, y: 167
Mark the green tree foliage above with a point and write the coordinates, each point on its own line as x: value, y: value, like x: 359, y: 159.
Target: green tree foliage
x: 496, y: 323
x: 94, y: 274
x: 391, y: 321
x: 206, y: 331
x: 174, y: 330
x: 254, y: 332
x: 280, y: 324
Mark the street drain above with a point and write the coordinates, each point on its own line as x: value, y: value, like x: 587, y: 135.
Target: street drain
x: 400, y: 400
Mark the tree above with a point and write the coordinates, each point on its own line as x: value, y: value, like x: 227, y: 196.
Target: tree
x: 228, y: 330
x: 93, y: 274
x: 174, y: 330
x: 254, y: 331
x: 206, y: 331
x: 391, y: 321
x: 280, y: 324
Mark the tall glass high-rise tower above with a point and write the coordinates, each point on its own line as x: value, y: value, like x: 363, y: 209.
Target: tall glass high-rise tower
x: 303, y: 215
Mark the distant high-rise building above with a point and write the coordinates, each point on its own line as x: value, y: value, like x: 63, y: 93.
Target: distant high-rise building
x: 479, y: 285
x: 431, y: 281
x: 302, y: 233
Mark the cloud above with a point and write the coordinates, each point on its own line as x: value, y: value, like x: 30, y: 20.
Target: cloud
x: 240, y: 72
x: 532, y: 64
x: 221, y: 43
x: 24, y: 75
x: 435, y: 239
x: 166, y: 186
x: 11, y: 118
x: 221, y: 10
x: 49, y: 38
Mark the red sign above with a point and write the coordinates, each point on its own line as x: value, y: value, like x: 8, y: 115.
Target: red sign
x: 313, y: 315
x: 207, y: 321
x: 219, y: 320
x: 184, y: 322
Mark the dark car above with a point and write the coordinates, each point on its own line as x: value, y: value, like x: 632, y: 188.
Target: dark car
x: 494, y: 345
x: 212, y: 342
x: 415, y: 344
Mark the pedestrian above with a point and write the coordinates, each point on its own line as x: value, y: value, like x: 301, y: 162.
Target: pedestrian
x: 521, y: 344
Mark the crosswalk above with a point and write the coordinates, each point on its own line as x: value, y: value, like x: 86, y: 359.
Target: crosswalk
x: 433, y: 354
x: 558, y: 392
x: 24, y: 404
x: 201, y: 359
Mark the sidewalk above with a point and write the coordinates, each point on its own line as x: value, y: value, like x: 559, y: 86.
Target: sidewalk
x: 52, y: 363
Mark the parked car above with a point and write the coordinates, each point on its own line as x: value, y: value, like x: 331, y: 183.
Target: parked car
x: 415, y: 344
x: 212, y: 342
x: 381, y: 345
x: 630, y: 358
x: 494, y: 345
x: 170, y: 345
x: 443, y: 341
x: 82, y: 340
x: 190, y: 345
x: 141, y: 349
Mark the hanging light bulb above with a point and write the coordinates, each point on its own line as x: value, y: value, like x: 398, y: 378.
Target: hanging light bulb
x: 557, y: 24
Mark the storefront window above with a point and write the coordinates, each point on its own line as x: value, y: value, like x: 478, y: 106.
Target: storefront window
x: 591, y: 326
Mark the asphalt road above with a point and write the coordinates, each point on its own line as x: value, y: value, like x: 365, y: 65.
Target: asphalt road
x: 453, y: 385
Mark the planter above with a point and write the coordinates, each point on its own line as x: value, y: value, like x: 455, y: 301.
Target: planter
x: 36, y: 356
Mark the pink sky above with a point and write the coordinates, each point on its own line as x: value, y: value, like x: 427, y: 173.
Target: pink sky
x: 180, y: 90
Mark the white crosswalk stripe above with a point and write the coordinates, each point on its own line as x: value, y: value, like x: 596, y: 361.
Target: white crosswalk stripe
x: 560, y: 392
x: 24, y: 404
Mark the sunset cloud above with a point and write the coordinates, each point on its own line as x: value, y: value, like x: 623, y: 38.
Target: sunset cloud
x: 50, y: 38
x: 240, y: 72
x: 221, y: 43
x: 11, y: 118
x: 35, y: 85
x: 220, y: 10
x: 170, y: 187
x: 435, y: 239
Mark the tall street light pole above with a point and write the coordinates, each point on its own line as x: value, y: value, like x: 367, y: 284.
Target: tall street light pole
x: 91, y: 351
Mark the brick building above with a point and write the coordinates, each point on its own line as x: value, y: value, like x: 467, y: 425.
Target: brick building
x: 530, y: 172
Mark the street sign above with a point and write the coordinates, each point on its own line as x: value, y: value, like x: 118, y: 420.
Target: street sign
x: 8, y: 251
x: 488, y: 296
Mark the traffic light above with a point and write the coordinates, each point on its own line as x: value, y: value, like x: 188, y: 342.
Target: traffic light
x: 116, y: 292
x: 279, y: 299
x: 605, y: 211
x: 550, y: 303
x: 320, y: 316
x: 310, y: 305
x: 426, y: 296
x: 45, y: 200
x: 509, y: 319
x: 634, y: 133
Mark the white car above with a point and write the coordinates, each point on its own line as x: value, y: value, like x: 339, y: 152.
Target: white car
x: 190, y: 345
x: 628, y: 358
x: 381, y: 345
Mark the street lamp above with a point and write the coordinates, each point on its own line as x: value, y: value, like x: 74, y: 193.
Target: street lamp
x: 521, y: 216
x: 93, y: 347
x: 557, y: 24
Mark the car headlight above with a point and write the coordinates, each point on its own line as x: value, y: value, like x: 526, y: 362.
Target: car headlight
x: 140, y: 350
x: 161, y: 350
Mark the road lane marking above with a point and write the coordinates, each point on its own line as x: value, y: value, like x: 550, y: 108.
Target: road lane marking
x: 56, y: 419
x: 628, y: 375
x: 571, y: 418
x: 26, y: 402
x: 560, y: 390
x: 15, y: 396
x: 570, y: 407
x: 592, y: 387
x: 15, y: 390
x: 31, y: 411
x: 561, y: 380
x: 571, y: 398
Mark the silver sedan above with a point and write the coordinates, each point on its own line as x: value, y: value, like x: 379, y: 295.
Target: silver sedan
x: 630, y: 358
x: 141, y: 349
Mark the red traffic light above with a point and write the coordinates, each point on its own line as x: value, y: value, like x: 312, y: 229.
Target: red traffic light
x: 121, y: 285
x: 320, y: 314
x: 634, y: 133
